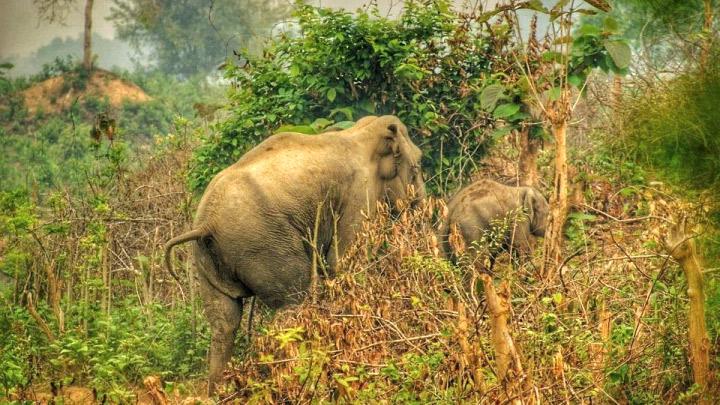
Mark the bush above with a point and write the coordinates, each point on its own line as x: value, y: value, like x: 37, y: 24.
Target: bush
x: 117, y: 318
x: 672, y: 128
x: 429, y: 67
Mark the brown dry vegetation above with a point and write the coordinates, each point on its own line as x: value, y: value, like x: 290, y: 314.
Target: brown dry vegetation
x: 56, y: 94
x: 398, y: 323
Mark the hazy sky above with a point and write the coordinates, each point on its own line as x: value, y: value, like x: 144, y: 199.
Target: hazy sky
x: 21, y: 33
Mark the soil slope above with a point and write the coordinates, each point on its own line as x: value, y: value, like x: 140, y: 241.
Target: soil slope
x: 57, y: 93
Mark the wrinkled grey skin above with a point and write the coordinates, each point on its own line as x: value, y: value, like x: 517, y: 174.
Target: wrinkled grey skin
x: 253, y: 224
x: 474, y: 207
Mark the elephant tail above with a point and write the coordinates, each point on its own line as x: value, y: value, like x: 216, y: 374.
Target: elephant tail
x: 195, y: 234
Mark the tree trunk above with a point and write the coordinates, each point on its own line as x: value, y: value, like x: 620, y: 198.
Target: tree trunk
x: 40, y: 321
x: 558, y: 201
x: 682, y: 248
x: 510, y: 373
x: 527, y: 166
x: 87, y: 41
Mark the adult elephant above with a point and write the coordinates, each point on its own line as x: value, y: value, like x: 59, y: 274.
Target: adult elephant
x: 293, y: 198
x: 474, y: 209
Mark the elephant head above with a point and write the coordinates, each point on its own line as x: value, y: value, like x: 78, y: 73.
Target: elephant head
x: 537, y: 209
x: 398, y: 162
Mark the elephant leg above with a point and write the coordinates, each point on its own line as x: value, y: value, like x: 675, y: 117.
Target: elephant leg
x: 224, y: 314
x: 523, y: 244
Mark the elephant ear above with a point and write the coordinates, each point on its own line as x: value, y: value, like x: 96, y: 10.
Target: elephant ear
x: 528, y: 196
x: 389, y: 152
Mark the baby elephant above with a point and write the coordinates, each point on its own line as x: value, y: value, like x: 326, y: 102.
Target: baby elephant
x: 520, y: 212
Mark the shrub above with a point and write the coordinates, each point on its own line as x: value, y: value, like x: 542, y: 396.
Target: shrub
x: 429, y: 67
x: 672, y: 128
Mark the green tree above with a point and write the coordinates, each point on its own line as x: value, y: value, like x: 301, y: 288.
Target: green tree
x: 191, y: 36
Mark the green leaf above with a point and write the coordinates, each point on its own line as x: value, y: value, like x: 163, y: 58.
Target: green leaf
x: 331, y: 95
x: 320, y: 123
x: 589, y: 30
x: 581, y: 216
x: 575, y: 80
x: 347, y: 111
x: 344, y: 124
x: 302, y: 129
x: 519, y: 116
x: 368, y: 106
x: 537, y: 5
x: 619, y: 52
x: 551, y: 56
x: 500, y: 132
x: 610, y: 24
x: 486, y: 16
x: 506, y: 110
x: 490, y: 96
x: 554, y: 93
x: 538, y: 132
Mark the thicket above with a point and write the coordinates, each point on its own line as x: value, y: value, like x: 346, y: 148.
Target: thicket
x: 673, y: 127
x: 429, y: 67
x: 83, y: 299
x: 399, y: 324
x: 83, y: 262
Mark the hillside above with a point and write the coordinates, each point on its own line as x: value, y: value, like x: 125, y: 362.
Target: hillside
x: 58, y: 93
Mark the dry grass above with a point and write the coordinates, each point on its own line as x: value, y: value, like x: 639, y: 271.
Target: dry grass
x: 398, y: 324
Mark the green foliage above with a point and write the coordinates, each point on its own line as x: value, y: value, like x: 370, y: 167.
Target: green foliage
x: 666, y: 31
x: 193, y: 36
x: 429, y: 67
x: 52, y: 151
x: 593, y: 47
x: 673, y: 128
x: 577, y: 229
x: 112, y: 354
x: 109, y: 348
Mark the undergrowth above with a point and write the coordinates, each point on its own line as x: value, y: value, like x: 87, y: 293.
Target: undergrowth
x: 400, y: 324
